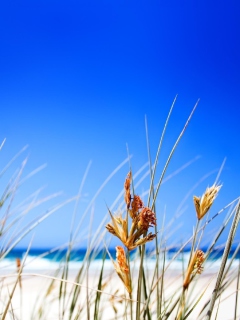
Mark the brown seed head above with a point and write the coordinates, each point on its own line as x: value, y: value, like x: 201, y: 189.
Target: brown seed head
x: 137, y: 204
x: 127, y: 185
x: 142, y: 241
x: 18, y: 263
x: 110, y: 229
x: 122, y: 268
x: 147, y: 219
x: 203, y: 204
x: 199, y: 256
x: 195, y: 266
x: 121, y: 259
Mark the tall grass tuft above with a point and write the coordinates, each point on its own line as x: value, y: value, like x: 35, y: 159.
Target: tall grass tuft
x: 138, y: 279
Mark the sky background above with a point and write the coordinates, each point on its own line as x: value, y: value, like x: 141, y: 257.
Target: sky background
x: 77, y: 79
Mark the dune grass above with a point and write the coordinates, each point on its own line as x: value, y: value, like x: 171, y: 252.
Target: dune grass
x: 136, y: 283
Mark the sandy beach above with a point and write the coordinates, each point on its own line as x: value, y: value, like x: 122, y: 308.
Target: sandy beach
x: 36, y: 300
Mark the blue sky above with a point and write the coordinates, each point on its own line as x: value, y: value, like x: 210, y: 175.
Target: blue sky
x: 77, y: 79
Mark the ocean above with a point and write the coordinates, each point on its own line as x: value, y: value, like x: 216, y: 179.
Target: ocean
x: 50, y: 259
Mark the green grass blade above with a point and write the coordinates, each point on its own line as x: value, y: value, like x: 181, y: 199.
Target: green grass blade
x: 237, y: 290
x: 98, y: 295
x: 15, y: 285
x: 224, y: 260
x: 172, y: 152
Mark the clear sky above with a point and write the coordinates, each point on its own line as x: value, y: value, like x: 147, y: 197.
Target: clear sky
x: 77, y: 79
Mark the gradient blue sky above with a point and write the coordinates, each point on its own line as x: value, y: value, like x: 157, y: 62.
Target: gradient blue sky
x: 77, y: 79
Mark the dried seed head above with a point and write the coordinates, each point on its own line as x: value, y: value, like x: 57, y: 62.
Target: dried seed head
x: 199, y: 256
x: 18, y: 263
x: 197, y: 202
x: 195, y: 266
x: 121, y: 259
x: 118, y: 227
x: 137, y: 204
x: 110, y: 229
x: 142, y: 241
x: 127, y: 184
x: 128, y: 180
x: 147, y: 219
x: 203, y: 204
x: 122, y: 268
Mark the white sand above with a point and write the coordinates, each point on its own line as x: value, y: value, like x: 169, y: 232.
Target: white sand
x: 34, y: 288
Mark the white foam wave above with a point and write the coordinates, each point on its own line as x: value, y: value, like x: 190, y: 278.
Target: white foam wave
x: 36, y: 263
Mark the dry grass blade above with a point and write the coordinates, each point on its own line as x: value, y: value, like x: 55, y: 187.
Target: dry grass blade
x: 63, y: 286
x: 12, y: 160
x: 2, y: 144
x: 15, y: 285
x: 141, y: 271
x: 237, y: 290
x: 227, y: 282
x: 35, y: 224
x: 98, y: 295
x: 29, y: 274
x: 190, y: 310
x: 172, y: 152
x: 224, y: 260
x: 151, y: 195
x: 97, y: 193
x: 158, y: 151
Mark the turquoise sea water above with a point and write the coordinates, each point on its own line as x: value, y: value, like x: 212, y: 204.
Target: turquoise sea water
x: 50, y: 259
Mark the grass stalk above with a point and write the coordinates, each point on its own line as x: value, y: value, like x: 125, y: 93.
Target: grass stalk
x: 172, y: 152
x: 237, y: 290
x: 140, y: 277
x: 15, y: 284
x: 99, y: 294
x: 224, y: 261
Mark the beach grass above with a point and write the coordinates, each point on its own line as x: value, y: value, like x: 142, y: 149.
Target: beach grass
x: 139, y: 281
